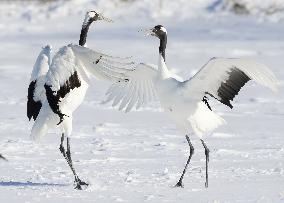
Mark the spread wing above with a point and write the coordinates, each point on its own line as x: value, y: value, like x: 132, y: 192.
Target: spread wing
x: 135, y: 89
x: 101, y: 66
x: 36, y: 91
x: 74, y: 63
x: 223, y: 78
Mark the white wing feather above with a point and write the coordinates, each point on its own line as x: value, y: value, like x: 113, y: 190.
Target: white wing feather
x: 136, y: 89
x: 36, y: 90
x: 216, y: 71
x: 42, y: 63
x: 210, y: 78
x: 39, y: 72
x: 86, y: 62
x: 100, y: 65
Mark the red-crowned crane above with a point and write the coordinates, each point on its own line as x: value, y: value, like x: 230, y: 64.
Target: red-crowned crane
x: 58, y: 86
x: 186, y: 102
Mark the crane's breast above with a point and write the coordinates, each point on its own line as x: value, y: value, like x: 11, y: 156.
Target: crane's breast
x: 65, y: 87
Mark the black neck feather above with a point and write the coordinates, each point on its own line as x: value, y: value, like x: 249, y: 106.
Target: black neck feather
x: 84, y: 33
x: 163, y: 45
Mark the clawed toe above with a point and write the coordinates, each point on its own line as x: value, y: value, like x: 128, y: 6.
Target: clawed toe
x: 179, y: 184
x: 206, y: 184
x: 79, y: 184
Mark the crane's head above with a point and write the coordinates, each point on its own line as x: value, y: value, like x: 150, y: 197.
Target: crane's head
x: 92, y: 16
x: 47, y: 48
x: 157, y: 31
x: 160, y: 32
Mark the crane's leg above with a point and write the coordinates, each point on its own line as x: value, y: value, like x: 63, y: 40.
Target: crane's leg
x: 77, y: 179
x: 179, y: 183
x: 67, y: 156
x: 207, y: 160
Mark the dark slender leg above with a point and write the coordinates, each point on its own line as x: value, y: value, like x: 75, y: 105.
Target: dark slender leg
x: 67, y: 156
x: 207, y: 160
x: 77, y: 179
x: 180, y: 184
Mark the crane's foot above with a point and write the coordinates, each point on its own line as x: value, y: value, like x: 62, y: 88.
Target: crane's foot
x: 80, y: 185
x: 179, y: 184
x: 206, y: 184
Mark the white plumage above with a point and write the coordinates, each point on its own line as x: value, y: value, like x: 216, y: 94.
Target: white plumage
x: 217, y: 70
x: 69, y: 59
x: 58, y: 86
x: 40, y: 69
x: 182, y: 99
x: 186, y: 101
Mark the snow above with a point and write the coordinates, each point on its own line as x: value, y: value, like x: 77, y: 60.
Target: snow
x: 139, y: 156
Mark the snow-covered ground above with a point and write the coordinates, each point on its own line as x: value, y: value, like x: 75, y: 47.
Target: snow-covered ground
x: 138, y: 157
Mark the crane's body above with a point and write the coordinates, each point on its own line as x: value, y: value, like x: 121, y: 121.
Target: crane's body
x: 58, y: 86
x: 72, y: 95
x: 186, y: 102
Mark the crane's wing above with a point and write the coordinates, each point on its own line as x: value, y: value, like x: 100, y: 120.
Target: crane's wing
x: 100, y: 65
x: 74, y: 63
x: 36, y: 91
x: 223, y: 78
x: 135, y: 89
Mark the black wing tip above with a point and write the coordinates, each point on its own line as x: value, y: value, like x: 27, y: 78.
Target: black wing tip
x: 61, y: 117
x: 223, y: 101
x: 232, y: 86
x: 205, y: 100
x: 54, y: 97
x: 32, y: 116
x: 227, y: 103
x: 29, y: 117
x: 33, y: 107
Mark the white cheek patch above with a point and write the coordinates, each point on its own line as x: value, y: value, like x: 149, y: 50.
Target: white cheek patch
x: 91, y: 14
x: 164, y: 29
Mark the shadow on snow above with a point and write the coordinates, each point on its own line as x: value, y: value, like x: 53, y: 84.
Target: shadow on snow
x: 29, y: 184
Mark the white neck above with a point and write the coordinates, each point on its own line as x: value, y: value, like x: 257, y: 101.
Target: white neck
x: 163, y: 70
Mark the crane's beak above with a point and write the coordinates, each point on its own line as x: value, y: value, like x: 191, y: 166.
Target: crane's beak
x: 101, y: 17
x: 148, y: 32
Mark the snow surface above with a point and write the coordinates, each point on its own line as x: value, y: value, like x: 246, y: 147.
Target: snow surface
x: 138, y: 157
